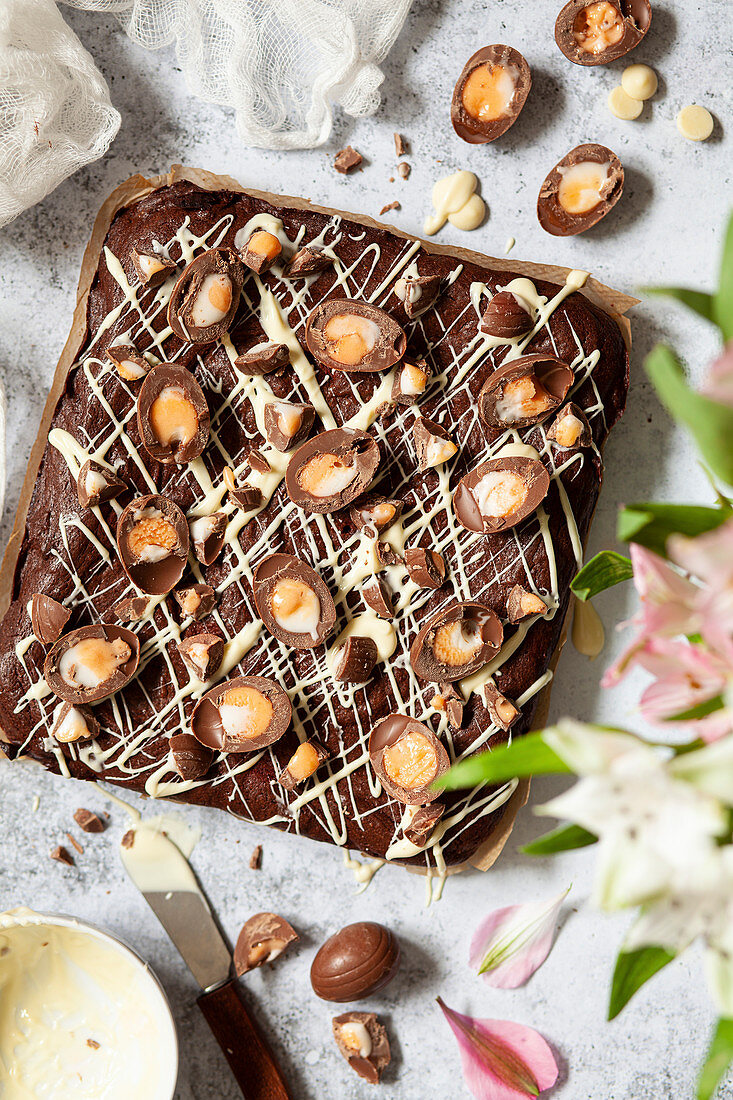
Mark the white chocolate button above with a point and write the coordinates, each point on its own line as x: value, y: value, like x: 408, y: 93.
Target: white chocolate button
x: 639, y: 81
x: 695, y: 123
x: 621, y: 104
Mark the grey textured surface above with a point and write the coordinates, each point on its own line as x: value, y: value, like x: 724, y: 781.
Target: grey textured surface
x: 667, y: 229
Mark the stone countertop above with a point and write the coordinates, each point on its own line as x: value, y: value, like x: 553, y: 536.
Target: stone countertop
x: 667, y: 229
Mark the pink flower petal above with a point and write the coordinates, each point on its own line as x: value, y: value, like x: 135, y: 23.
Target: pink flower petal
x: 511, y: 943
x: 501, y: 1060
x: 719, y: 382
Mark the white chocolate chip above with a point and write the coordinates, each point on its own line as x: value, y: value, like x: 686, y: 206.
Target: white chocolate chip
x: 639, y: 82
x: 695, y: 123
x: 624, y: 106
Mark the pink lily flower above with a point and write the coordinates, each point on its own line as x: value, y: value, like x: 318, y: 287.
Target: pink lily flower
x: 511, y: 943
x: 719, y: 382
x: 501, y: 1060
x: 709, y: 557
x: 686, y: 676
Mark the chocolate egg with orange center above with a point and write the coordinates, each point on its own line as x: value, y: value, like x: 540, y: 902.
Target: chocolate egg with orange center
x: 595, y: 32
x: 354, y: 336
x: 172, y: 414
x: 206, y: 296
x: 152, y: 539
x: 331, y: 469
x: 292, y: 601
x: 524, y: 392
x: 456, y: 642
x: 580, y: 190
x: 490, y: 94
x: 500, y: 493
x: 242, y: 715
x: 407, y: 758
x: 92, y: 662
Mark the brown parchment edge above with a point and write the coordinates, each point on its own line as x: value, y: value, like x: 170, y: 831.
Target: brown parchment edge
x: 613, y: 302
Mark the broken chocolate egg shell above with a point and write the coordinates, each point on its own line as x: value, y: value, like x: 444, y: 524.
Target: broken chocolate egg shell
x: 263, y: 939
x: 378, y: 597
x: 363, y: 1041
x: 354, y: 661
x: 152, y: 269
x: 97, y: 484
x: 570, y: 429
x: 262, y: 250
x: 263, y: 359
x: 288, y: 423
x: 48, y: 618
x: 507, y: 316
x: 130, y: 365
x: 242, y: 715
x: 307, y: 261
x: 418, y: 293
x: 456, y: 642
x: 74, y: 722
x: 500, y: 493
x: 207, y: 534
x: 407, y: 758
x: 347, y: 335
x: 524, y: 392
x: 305, y: 762
x: 196, y: 600
x: 596, y: 32
x: 433, y: 444
x: 172, y: 415
x: 191, y: 759
x: 373, y: 514
x: 425, y: 568
x: 152, y: 539
x: 490, y: 94
x: 359, y: 960
x: 91, y: 663
x: 292, y: 601
x: 206, y: 296
x: 202, y: 654
x: 580, y: 190
x: 330, y: 470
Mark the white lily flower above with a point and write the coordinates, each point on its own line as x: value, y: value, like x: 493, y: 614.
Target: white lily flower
x: 511, y: 943
x: 710, y: 769
x: 588, y: 749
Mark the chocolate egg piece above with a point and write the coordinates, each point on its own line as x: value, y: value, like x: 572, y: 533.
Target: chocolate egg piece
x: 524, y: 392
x: 152, y: 539
x: 48, y: 618
x: 500, y: 493
x: 355, y: 962
x: 347, y: 335
x: 287, y: 423
x: 172, y: 414
x: 263, y: 939
x: 292, y: 601
x: 207, y: 534
x: 206, y: 296
x: 490, y: 94
x: 596, y: 32
x: 242, y: 715
x: 92, y: 662
x: 580, y: 190
x: 72, y: 723
x: 407, y: 758
x: 331, y: 469
x: 97, y: 484
x: 373, y: 514
x: 456, y: 642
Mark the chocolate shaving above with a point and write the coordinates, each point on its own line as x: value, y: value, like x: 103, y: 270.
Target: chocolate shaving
x: 390, y: 206
x: 74, y: 843
x: 255, y: 860
x: 62, y: 855
x: 191, y: 759
x: 347, y: 160
x: 400, y: 147
x: 128, y: 840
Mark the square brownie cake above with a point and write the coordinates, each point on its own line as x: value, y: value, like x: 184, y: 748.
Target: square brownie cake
x: 340, y: 526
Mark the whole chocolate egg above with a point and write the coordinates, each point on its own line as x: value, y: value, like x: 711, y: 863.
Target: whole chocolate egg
x: 355, y: 962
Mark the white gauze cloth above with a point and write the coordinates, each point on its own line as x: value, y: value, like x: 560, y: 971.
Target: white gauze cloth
x: 55, y: 112
x: 281, y: 64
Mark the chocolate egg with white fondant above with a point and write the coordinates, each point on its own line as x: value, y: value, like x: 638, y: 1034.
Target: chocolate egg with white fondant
x: 153, y: 539
x: 490, y: 94
x: 206, y: 296
x: 407, y: 758
x: 348, y: 335
x: 172, y: 415
x: 500, y: 493
x: 331, y: 469
x: 293, y: 601
x: 92, y: 662
x: 524, y: 391
x: 580, y: 190
x: 242, y: 715
x: 457, y: 641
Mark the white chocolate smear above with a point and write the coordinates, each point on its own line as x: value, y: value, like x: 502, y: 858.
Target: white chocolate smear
x: 455, y: 200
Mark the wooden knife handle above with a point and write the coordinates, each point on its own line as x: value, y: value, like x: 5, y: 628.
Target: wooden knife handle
x: 245, y: 1047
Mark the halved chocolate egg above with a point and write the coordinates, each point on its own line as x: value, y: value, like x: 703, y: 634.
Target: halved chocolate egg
x: 172, y: 414
x: 580, y: 190
x: 524, y: 391
x: 408, y: 758
x: 354, y: 336
x: 206, y: 296
x: 152, y: 539
x: 456, y: 642
x: 500, y: 493
x: 242, y: 715
x: 595, y: 32
x: 373, y: 514
x: 292, y: 601
x: 490, y: 94
x: 92, y: 662
x: 330, y: 470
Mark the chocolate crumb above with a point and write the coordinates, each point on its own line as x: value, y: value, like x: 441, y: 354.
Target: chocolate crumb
x: 399, y: 145
x: 62, y: 855
x: 347, y: 160
x: 89, y: 821
x: 255, y: 860
x: 390, y: 206
x: 74, y: 843
x: 404, y: 169
x: 128, y: 839
x: 93, y: 1044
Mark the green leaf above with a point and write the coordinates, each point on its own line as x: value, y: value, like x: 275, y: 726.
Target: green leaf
x: 524, y: 757
x: 632, y: 970
x: 602, y: 571
x: 710, y: 423
x: 696, y: 300
x: 723, y: 300
x: 562, y: 839
x: 700, y: 711
x: 717, y: 1059
x: 651, y: 524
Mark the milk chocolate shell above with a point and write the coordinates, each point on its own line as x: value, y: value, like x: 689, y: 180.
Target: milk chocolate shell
x: 500, y: 493
x: 207, y: 534
x: 97, y: 484
x: 590, y: 32
x: 263, y: 359
x: 407, y: 758
x: 292, y: 601
x: 580, y: 190
x: 152, y: 539
x: 354, y: 336
x: 90, y: 663
x: 205, y: 298
x: 242, y: 715
x: 364, y: 1044
x: 524, y: 392
x: 172, y: 415
x: 263, y: 939
x: 288, y: 423
x: 202, y: 654
x: 490, y: 94
x: 330, y: 470
x: 48, y: 618
x: 373, y: 514
x: 355, y: 962
x: 456, y: 642
x: 191, y: 759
